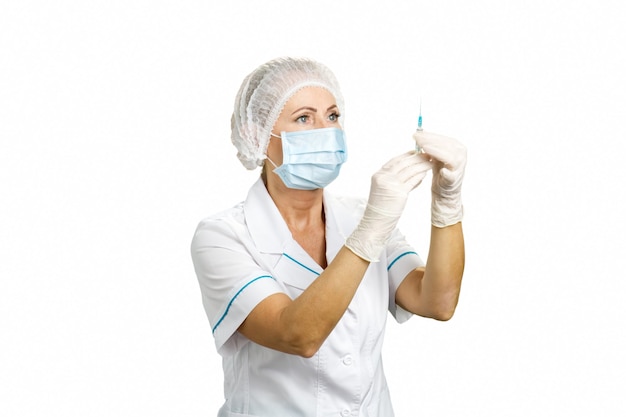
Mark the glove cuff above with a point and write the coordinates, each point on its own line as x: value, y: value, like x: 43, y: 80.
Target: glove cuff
x: 364, y: 245
x: 446, y: 211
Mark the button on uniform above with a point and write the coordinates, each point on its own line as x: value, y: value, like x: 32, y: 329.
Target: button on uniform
x: 347, y: 360
x: 345, y: 413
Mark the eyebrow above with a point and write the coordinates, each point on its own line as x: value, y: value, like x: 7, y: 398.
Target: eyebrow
x: 313, y: 109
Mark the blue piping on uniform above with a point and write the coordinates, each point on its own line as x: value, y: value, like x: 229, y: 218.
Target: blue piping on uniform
x: 400, y: 256
x: 301, y: 264
x: 235, y: 296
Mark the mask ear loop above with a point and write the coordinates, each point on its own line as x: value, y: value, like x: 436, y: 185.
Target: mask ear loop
x: 267, y: 156
x: 271, y: 162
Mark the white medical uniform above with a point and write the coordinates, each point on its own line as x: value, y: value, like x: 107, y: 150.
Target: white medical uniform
x: 247, y: 253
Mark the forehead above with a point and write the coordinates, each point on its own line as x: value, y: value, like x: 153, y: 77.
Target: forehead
x: 310, y: 95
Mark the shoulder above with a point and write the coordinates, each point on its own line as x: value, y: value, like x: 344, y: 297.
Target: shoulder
x: 234, y: 213
x: 224, y: 225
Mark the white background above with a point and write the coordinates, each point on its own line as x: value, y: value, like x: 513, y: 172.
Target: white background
x: 115, y: 142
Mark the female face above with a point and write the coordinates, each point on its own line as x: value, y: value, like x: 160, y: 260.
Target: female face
x: 309, y: 108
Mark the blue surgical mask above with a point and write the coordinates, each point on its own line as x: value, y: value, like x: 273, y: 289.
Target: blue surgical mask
x: 311, y: 158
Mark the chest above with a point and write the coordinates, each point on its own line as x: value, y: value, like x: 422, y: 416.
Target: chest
x: 313, y: 242
x: 368, y: 309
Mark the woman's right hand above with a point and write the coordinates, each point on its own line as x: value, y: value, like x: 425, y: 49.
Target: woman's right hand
x: 389, y: 191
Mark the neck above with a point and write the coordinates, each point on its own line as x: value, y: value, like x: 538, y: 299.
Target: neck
x: 301, y: 209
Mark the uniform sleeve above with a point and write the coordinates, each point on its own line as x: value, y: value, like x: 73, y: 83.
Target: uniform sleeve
x: 402, y: 259
x: 232, y: 281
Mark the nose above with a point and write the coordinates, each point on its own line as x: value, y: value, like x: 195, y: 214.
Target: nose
x: 321, y: 123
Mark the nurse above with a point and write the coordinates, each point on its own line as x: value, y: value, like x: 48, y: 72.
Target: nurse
x: 297, y: 283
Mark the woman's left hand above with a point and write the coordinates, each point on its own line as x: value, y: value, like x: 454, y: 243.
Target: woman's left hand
x: 449, y: 157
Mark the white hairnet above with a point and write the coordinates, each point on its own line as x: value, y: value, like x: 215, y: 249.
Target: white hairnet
x: 263, y: 95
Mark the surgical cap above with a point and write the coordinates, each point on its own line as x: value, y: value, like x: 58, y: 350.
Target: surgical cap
x: 262, y: 96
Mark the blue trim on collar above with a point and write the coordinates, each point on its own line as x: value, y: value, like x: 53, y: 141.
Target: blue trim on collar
x: 301, y: 264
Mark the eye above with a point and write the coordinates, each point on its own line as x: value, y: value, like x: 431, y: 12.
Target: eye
x: 302, y: 119
x: 334, y: 117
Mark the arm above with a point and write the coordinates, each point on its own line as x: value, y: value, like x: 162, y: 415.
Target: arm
x: 302, y: 325
x: 434, y: 291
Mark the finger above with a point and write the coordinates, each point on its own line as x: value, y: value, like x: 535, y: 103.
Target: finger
x: 414, y: 173
x: 432, y: 144
x: 408, y: 159
x: 442, y: 148
x: 399, y: 160
x: 415, y: 180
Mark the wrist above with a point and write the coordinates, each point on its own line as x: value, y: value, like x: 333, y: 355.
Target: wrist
x: 446, y: 211
x: 365, y: 247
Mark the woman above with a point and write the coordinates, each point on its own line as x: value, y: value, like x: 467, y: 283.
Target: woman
x: 296, y: 282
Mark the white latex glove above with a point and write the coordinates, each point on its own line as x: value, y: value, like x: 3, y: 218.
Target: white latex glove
x: 449, y: 157
x: 388, y: 194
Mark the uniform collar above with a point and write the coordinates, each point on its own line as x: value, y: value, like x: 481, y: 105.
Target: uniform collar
x: 339, y: 224
x: 271, y: 234
x: 267, y: 227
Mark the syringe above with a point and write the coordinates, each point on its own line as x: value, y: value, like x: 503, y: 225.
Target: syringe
x: 418, y: 148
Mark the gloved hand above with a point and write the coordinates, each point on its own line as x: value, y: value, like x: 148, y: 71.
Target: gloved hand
x: 388, y: 194
x: 449, y: 157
